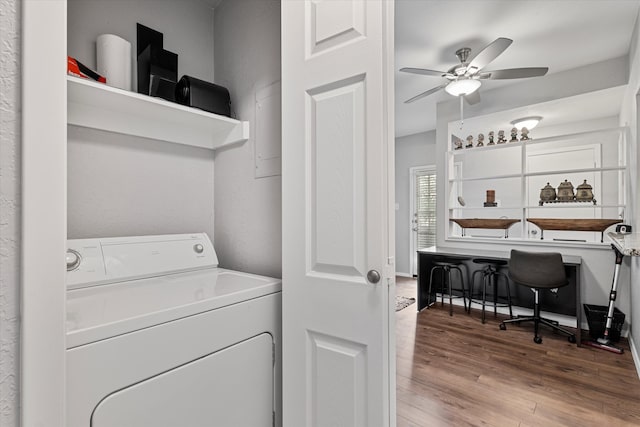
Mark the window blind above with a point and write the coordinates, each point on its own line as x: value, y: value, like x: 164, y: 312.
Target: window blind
x: 426, y: 209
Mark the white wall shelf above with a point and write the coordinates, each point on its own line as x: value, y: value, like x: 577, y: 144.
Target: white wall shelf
x: 561, y: 139
x: 482, y: 208
x: 98, y: 106
x: 584, y: 205
x: 543, y: 173
x: 489, y: 177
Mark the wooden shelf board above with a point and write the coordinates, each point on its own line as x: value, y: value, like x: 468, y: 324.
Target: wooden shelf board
x: 574, y: 224
x: 490, y: 223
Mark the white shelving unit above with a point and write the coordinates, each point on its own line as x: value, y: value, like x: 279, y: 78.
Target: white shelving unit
x: 514, y: 172
x: 98, y: 106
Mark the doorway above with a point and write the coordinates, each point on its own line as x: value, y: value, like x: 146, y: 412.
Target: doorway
x: 422, y: 199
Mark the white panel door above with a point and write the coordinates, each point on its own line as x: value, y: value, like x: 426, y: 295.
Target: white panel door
x: 337, y: 170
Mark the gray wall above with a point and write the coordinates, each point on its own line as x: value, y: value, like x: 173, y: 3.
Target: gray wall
x: 10, y: 170
x: 187, y: 26
x: 248, y: 223
x: 120, y: 185
x: 629, y: 117
x: 411, y: 150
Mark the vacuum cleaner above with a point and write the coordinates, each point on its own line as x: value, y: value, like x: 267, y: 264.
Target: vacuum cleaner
x: 604, y: 343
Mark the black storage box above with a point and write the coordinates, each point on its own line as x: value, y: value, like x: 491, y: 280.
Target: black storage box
x: 157, y: 68
x: 206, y: 96
x: 597, y: 319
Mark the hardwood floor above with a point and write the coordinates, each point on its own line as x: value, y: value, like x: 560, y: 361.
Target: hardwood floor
x: 455, y: 371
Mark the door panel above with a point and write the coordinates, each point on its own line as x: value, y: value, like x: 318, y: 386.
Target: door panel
x: 338, y: 399
x: 332, y: 23
x: 337, y: 203
x: 337, y: 93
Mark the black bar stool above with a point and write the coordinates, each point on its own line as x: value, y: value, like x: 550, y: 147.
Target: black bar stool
x: 490, y: 275
x: 446, y: 264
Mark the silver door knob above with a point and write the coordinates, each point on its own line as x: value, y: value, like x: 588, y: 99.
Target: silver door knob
x: 373, y: 276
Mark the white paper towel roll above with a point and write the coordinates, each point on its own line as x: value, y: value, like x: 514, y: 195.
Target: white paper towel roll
x: 114, y: 60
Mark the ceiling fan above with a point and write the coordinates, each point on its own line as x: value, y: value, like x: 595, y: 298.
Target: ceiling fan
x: 464, y: 79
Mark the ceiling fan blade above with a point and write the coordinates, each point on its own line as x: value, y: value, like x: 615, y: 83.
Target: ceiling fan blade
x: 473, y: 97
x: 516, y: 73
x: 424, y: 71
x: 423, y: 94
x: 488, y: 54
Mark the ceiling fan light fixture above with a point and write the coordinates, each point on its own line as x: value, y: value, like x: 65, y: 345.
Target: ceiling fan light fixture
x: 462, y: 87
x: 527, y: 122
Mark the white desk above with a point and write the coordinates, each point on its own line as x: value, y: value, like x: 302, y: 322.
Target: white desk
x: 425, y: 257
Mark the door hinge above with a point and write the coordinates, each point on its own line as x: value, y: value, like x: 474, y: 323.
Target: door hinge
x: 389, y: 270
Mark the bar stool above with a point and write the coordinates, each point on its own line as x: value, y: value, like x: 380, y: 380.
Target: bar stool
x: 490, y: 275
x: 445, y: 264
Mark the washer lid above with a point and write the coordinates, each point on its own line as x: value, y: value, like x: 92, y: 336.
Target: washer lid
x: 100, y: 312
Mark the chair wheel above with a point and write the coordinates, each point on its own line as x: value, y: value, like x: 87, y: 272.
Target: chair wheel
x: 537, y: 340
x: 572, y: 339
x: 503, y: 327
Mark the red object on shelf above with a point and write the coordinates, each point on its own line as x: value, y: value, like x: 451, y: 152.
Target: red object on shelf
x: 78, y: 69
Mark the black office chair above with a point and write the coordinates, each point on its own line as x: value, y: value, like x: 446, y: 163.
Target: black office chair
x: 541, y: 270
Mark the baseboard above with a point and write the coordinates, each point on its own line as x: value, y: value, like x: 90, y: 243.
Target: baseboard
x: 634, y: 354
x: 563, y: 320
x: 398, y: 273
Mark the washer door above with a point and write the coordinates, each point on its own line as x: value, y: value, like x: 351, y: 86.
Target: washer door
x: 231, y: 387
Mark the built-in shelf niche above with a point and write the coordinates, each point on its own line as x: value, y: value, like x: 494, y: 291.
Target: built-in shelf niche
x: 508, y: 169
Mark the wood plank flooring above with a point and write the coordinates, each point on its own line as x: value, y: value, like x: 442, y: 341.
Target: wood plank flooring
x: 455, y: 371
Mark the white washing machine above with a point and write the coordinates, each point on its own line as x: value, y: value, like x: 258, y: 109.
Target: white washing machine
x: 158, y: 335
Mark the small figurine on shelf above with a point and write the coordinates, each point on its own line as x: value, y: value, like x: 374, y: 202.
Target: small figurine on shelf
x: 480, y: 140
x: 469, y: 142
x: 457, y: 142
x: 524, y: 134
x: 501, y: 138
x: 491, y: 139
x: 514, y: 135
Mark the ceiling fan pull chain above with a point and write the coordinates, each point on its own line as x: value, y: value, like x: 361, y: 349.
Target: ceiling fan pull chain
x: 461, y: 111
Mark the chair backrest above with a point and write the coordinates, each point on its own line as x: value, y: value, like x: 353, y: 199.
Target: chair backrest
x: 537, y: 269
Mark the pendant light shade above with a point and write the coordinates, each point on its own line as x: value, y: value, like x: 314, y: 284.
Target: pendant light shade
x: 462, y: 87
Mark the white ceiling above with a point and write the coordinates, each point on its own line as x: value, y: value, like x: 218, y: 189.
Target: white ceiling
x: 559, y: 34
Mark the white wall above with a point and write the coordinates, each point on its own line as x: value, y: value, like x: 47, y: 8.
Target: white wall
x: 126, y: 186
x: 411, y: 150
x: 597, y: 267
x: 629, y: 117
x: 10, y: 170
x: 120, y: 185
x: 248, y: 223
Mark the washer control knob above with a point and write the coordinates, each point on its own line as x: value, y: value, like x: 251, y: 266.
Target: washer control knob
x: 198, y: 248
x: 73, y: 259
